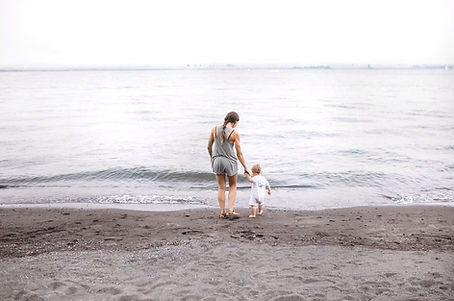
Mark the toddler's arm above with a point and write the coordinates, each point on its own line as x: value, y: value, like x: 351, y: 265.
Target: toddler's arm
x: 248, y: 176
x: 268, y: 186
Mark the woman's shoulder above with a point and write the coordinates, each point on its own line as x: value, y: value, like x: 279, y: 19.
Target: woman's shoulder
x: 231, y: 131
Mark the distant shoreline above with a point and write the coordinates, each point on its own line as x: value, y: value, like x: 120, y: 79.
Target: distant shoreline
x: 226, y: 67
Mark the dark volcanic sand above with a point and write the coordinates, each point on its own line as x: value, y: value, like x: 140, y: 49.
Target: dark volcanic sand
x: 397, y: 253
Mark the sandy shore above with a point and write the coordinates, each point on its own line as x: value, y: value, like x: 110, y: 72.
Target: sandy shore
x: 365, y: 253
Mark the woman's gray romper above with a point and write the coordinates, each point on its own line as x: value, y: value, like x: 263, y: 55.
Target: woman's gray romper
x: 225, y: 160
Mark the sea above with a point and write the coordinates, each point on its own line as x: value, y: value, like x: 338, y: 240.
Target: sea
x: 324, y: 138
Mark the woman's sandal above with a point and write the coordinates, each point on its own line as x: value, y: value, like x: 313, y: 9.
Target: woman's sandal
x: 234, y: 215
x: 224, y: 215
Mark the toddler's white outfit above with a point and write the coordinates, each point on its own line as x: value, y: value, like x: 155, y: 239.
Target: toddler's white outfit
x: 258, y: 190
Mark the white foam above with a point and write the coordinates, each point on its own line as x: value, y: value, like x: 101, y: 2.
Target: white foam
x: 123, y: 206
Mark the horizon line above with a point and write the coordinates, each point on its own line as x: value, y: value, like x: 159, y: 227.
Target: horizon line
x: 112, y: 67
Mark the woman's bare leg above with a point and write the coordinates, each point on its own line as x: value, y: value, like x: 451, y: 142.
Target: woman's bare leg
x: 221, y: 192
x: 232, y: 191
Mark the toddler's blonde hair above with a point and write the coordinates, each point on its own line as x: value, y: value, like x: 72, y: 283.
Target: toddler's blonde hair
x: 257, y: 169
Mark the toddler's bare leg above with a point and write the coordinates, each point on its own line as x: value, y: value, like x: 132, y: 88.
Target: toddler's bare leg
x: 252, y: 211
x: 260, y: 209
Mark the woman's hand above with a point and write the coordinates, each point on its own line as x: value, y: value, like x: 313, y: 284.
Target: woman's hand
x: 248, y: 176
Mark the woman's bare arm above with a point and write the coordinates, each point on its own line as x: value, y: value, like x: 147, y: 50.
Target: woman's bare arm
x: 239, y: 153
x: 210, y: 143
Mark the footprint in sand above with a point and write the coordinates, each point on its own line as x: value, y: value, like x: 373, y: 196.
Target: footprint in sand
x: 109, y: 290
x: 292, y: 297
x: 56, y: 285
x: 129, y: 298
x: 310, y: 280
x: 292, y: 277
x: 166, y: 283
x: 273, y: 294
x: 319, y: 295
x: 66, y: 288
x: 72, y: 290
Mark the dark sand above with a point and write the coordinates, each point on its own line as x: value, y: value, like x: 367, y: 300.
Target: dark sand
x: 366, y: 253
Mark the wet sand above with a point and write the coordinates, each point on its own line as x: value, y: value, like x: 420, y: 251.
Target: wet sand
x: 364, y: 253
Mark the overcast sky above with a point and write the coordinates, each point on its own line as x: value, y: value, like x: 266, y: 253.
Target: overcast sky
x: 175, y: 32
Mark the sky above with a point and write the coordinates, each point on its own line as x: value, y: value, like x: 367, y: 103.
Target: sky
x: 180, y: 32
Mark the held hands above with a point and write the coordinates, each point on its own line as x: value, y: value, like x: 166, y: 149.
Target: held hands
x: 248, y: 175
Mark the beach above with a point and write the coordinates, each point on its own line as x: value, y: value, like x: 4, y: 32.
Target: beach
x: 110, y: 182
x: 360, y: 253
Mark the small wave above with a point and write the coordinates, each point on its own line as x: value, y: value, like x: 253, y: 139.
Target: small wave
x: 341, y: 106
x: 9, y: 186
x: 446, y: 196
x: 290, y: 186
x: 444, y: 189
x: 309, y: 134
x: 295, y: 186
x: 144, y: 112
x: 351, y: 119
x: 139, y: 173
x: 447, y: 168
x: 349, y: 178
x: 388, y: 197
x: 353, y: 151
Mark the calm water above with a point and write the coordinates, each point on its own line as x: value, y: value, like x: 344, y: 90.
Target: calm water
x: 325, y: 138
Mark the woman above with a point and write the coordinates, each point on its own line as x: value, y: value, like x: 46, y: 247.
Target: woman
x: 224, y: 160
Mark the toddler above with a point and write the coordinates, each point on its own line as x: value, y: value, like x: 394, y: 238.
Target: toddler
x: 258, y: 187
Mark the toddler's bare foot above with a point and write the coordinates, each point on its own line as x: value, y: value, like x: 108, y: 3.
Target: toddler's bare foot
x: 252, y: 216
